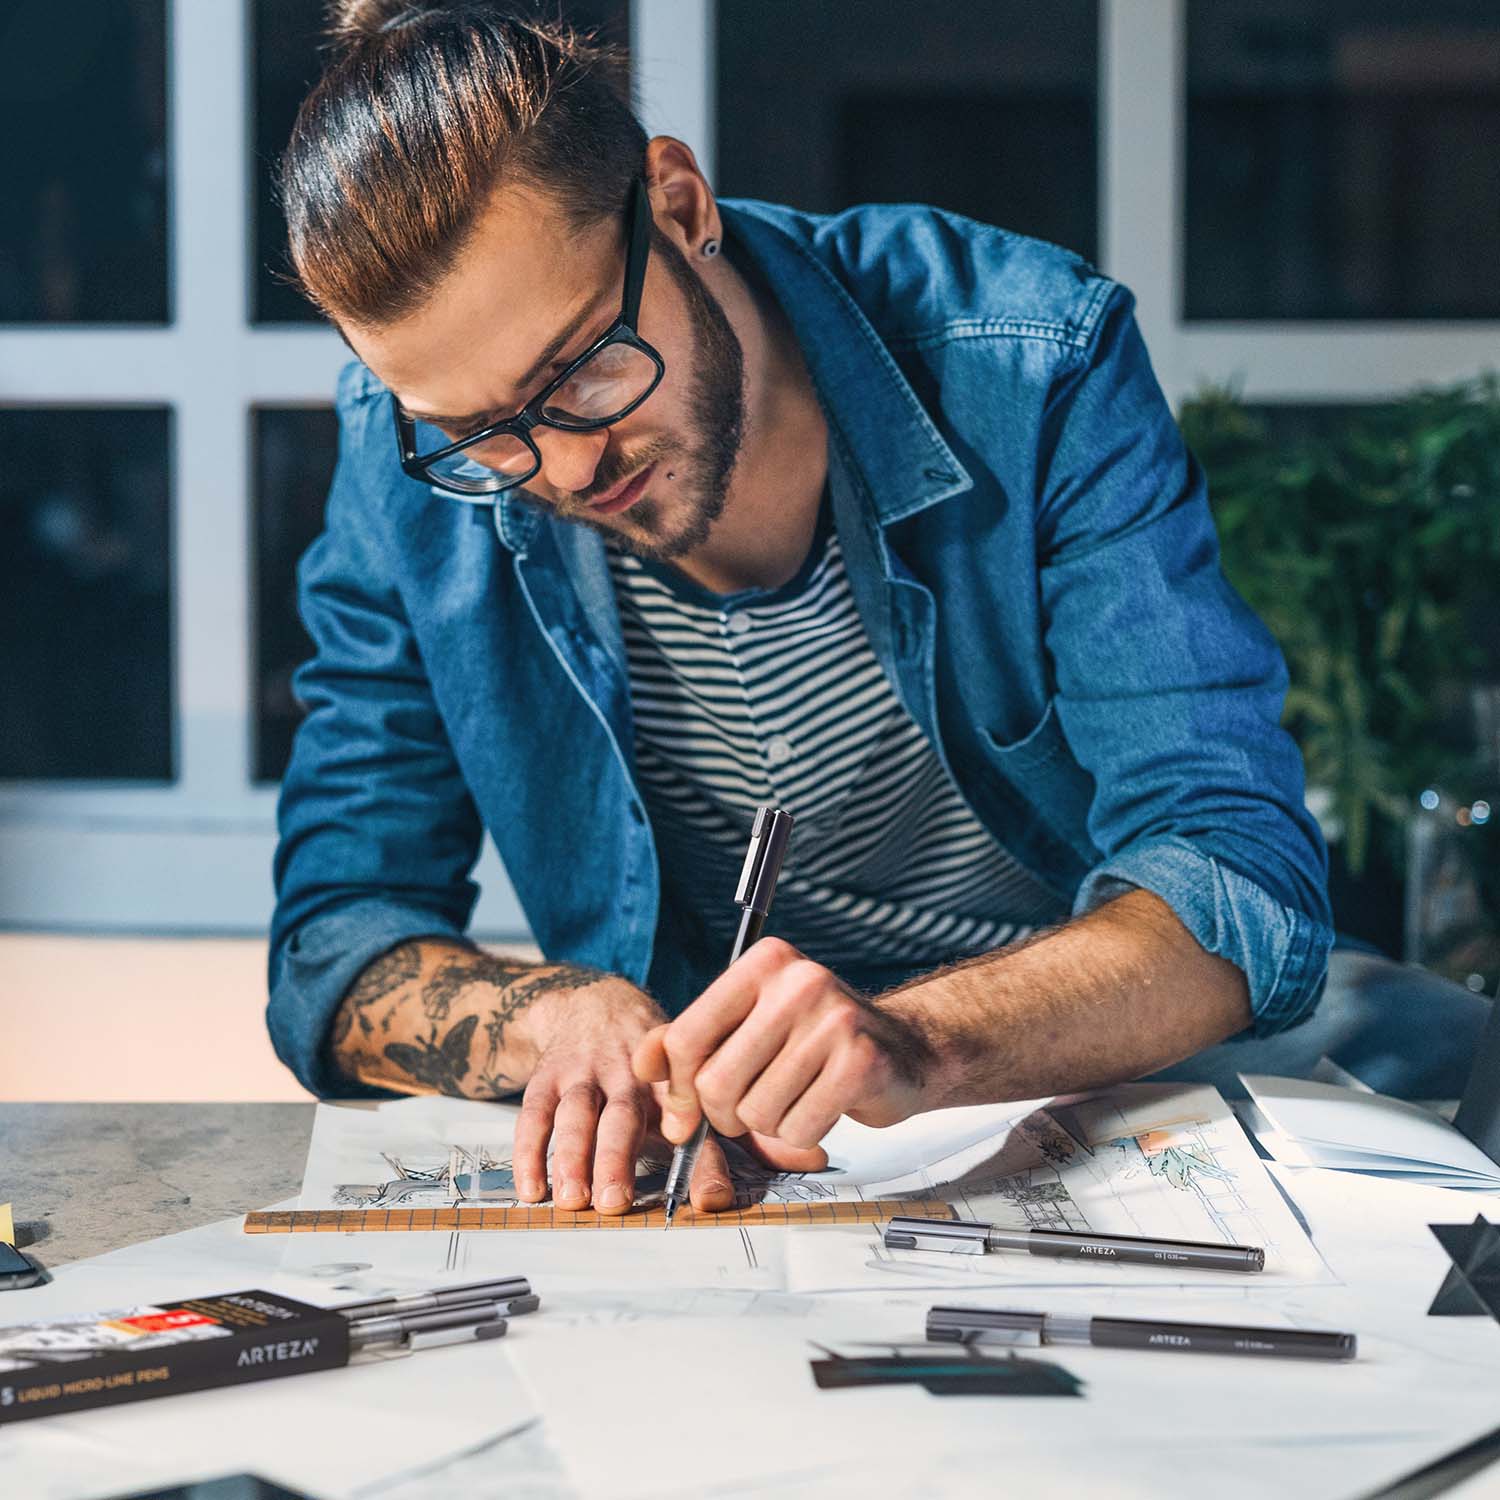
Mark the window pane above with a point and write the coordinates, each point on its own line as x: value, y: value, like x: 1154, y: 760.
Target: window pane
x: 85, y: 613
x: 294, y: 452
x: 1342, y: 159
x: 984, y: 108
x: 83, y: 214
x: 286, y: 35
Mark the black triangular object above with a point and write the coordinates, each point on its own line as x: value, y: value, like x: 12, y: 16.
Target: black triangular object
x: 1472, y: 1287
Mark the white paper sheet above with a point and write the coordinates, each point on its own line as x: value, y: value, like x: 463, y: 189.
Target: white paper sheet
x: 747, y: 1413
x: 1144, y: 1159
x: 1318, y: 1124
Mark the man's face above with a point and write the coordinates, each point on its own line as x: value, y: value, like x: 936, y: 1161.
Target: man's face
x: 528, y: 295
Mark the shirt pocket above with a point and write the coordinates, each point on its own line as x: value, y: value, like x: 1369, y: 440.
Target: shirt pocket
x: 1041, y: 769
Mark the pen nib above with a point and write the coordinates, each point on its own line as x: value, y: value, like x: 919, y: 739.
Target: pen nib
x: 671, y: 1209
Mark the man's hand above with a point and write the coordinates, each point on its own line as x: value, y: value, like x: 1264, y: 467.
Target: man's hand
x: 778, y: 1046
x: 584, y: 1099
x: 436, y: 1016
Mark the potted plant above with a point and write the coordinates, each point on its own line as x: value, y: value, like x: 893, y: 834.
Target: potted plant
x: 1368, y: 540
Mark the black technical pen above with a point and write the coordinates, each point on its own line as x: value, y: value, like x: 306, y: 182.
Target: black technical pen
x: 768, y: 841
x: 966, y: 1237
x: 984, y: 1325
x: 512, y: 1291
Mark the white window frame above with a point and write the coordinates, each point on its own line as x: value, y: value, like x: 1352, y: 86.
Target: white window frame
x: 195, y: 855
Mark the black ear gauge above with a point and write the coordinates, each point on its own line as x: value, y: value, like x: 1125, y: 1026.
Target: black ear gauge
x: 710, y: 249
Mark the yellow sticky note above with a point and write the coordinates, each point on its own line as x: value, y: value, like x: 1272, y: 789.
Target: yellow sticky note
x: 7, y: 1225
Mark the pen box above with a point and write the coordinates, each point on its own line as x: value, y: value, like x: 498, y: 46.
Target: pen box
x: 158, y: 1349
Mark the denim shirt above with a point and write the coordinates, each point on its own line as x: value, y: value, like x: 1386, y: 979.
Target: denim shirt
x: 1031, y: 552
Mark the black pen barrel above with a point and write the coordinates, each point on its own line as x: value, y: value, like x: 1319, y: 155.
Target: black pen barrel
x: 1132, y: 1250
x: 1220, y: 1338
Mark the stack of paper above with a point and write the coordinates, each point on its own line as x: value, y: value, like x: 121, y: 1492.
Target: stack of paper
x: 1306, y: 1124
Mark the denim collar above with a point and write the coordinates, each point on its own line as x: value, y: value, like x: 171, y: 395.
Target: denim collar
x: 902, y: 459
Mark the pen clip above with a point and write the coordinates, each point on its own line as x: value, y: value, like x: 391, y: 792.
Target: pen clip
x: 437, y: 1338
x: 952, y: 1236
x: 768, y: 841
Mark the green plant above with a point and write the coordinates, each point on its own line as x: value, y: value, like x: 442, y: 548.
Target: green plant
x: 1368, y: 540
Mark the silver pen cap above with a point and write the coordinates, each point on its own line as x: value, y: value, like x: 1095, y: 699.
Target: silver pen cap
x: 956, y: 1236
x: 971, y: 1325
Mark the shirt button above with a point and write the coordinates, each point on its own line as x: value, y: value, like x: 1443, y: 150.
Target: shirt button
x: 737, y: 623
x: 779, y: 750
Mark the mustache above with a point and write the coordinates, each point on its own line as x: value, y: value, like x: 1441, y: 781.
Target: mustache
x: 612, y: 470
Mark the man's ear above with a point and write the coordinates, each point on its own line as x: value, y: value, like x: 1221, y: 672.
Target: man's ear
x: 681, y: 198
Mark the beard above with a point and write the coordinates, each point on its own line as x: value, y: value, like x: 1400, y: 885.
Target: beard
x: 706, y: 460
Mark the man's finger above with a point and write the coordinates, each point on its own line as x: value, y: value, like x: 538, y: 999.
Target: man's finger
x: 649, y: 1060
x: 837, y: 1088
x: 786, y: 1158
x: 728, y: 1076
x: 698, y: 1032
x: 788, y: 1076
x: 710, y: 1190
x: 529, y: 1146
x: 573, y: 1132
x: 622, y: 1128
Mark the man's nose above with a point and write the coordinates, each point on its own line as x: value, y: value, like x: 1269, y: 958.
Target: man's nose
x: 569, y: 459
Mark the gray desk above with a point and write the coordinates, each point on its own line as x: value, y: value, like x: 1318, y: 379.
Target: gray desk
x: 86, y: 1178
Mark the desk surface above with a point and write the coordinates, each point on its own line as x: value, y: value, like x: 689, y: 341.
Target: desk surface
x: 86, y: 1178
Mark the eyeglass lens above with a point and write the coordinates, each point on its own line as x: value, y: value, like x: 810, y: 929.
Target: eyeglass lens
x: 603, y: 388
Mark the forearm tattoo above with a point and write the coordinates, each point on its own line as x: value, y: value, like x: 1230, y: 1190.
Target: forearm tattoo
x: 427, y: 1051
x: 376, y: 981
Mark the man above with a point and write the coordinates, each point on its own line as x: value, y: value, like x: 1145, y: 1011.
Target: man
x: 650, y: 508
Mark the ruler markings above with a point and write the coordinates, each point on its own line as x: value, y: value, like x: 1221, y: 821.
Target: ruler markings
x: 389, y: 1220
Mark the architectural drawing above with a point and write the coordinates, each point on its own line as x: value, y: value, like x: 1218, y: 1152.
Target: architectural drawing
x: 453, y: 1176
x: 1144, y: 1159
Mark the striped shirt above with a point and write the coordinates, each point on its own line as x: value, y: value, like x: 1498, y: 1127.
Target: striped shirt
x: 775, y: 696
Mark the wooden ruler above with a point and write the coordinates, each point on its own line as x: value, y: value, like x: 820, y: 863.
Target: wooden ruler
x: 769, y: 1215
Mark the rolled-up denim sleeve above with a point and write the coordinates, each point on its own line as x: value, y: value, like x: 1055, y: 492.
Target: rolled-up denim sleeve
x: 378, y: 832
x: 1168, y: 688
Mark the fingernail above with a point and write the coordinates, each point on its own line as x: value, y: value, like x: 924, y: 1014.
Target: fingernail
x: 612, y: 1197
x: 570, y: 1192
x: 531, y: 1188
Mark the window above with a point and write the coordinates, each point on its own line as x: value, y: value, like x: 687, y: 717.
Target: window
x: 85, y: 613
x: 1342, y: 159
x: 986, y: 109
x: 83, y: 112
x: 295, y: 449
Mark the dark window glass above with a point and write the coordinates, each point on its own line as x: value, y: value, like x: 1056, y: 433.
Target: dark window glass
x: 984, y: 108
x: 85, y: 610
x: 1342, y: 159
x: 83, y: 210
x: 294, y: 452
x: 286, y: 38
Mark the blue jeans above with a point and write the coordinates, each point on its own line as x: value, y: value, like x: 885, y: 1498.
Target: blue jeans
x: 1402, y: 1031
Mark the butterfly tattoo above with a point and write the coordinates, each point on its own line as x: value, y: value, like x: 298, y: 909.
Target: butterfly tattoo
x: 441, y: 1065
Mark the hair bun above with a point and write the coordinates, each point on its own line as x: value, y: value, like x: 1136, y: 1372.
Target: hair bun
x: 353, y: 21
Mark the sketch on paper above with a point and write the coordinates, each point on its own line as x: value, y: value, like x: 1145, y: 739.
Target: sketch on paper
x: 451, y: 1178
x: 454, y: 1176
x: 1153, y: 1161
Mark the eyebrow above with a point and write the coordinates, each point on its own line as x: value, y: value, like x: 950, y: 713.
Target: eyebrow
x: 548, y: 355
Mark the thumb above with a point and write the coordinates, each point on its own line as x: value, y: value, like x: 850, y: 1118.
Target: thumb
x: 649, y: 1060
x: 786, y: 1158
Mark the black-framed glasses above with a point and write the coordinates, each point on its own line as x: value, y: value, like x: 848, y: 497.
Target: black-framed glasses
x: 603, y: 385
